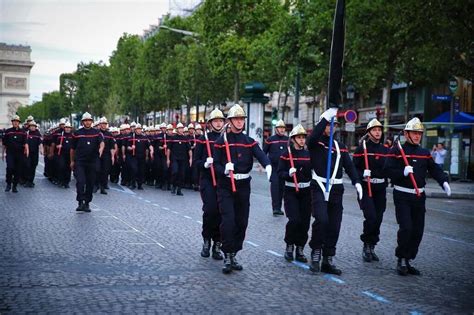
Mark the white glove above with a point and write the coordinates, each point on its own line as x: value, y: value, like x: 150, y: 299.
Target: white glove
x: 408, y: 169
x: 447, y: 188
x: 292, y: 171
x: 329, y: 114
x: 367, y: 173
x: 360, y: 193
x: 208, y: 162
x: 228, y: 167
x: 268, y: 169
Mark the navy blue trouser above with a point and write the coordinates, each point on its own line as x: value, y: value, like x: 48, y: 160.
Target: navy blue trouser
x: 63, y: 167
x: 298, y: 212
x: 234, y: 209
x: 178, y: 172
x: 373, y: 209
x: 277, y: 187
x: 410, y: 213
x: 31, y: 166
x: 211, y: 218
x: 14, y: 165
x: 105, y: 168
x: 327, y: 219
x: 85, y: 173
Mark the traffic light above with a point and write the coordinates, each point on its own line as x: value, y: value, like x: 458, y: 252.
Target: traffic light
x: 274, y: 116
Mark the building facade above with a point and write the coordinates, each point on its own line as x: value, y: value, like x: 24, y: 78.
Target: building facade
x: 15, y: 67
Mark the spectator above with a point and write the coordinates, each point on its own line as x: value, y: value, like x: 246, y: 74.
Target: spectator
x: 439, y: 154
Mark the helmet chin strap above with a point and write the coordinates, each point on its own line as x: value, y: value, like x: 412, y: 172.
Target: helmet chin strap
x: 214, y: 128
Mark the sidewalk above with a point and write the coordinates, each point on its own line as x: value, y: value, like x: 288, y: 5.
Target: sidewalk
x: 459, y: 190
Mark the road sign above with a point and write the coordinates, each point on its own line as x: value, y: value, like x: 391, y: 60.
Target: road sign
x: 350, y: 126
x: 441, y: 98
x: 453, y: 85
x: 350, y: 116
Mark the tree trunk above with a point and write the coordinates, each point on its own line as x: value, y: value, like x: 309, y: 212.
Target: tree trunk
x: 386, y: 104
x: 236, y: 86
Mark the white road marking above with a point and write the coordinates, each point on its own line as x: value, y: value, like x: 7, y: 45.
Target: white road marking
x: 274, y: 253
x: 252, y: 243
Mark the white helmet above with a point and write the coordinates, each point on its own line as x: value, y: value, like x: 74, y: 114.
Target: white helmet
x: 414, y: 125
x: 236, y: 111
x: 180, y: 125
x: 103, y: 120
x: 67, y: 125
x: 190, y: 126
x: 62, y: 121
x: 138, y: 126
x: 86, y: 116
x: 198, y: 126
x: 133, y: 124
x: 280, y: 124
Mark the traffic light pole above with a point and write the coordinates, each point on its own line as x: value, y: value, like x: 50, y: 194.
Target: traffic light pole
x: 297, y: 97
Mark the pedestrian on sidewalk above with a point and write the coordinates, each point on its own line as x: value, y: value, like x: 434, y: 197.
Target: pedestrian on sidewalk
x: 439, y: 154
x: 233, y: 160
x: 409, y: 179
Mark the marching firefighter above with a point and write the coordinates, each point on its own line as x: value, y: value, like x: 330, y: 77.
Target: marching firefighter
x: 15, y: 145
x: 327, y: 205
x: 275, y: 146
x: 233, y: 161
x: 179, y: 157
x: 134, y: 151
x: 159, y: 161
x: 407, y: 166
x: 87, y: 147
x: 60, y: 153
x: 369, y: 159
x: 108, y: 156
x: 203, y: 160
x: 115, y: 169
x: 295, y: 170
x: 34, y: 145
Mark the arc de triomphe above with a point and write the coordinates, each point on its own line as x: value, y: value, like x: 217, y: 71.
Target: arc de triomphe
x: 15, y: 67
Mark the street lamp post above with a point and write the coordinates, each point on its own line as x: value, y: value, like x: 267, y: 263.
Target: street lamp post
x: 350, y: 93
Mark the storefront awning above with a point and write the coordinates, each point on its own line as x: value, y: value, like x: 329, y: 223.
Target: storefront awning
x: 459, y: 118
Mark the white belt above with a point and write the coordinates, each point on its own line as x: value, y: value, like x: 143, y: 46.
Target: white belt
x: 408, y: 190
x: 332, y: 181
x: 240, y: 176
x: 375, y: 180
x: 300, y: 185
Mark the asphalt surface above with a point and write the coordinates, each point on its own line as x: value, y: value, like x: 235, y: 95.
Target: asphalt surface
x: 138, y: 252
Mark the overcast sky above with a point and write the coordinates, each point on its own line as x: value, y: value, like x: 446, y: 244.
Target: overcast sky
x: 63, y: 33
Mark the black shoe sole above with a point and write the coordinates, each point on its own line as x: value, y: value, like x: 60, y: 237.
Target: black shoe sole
x: 314, y: 270
x: 217, y: 257
x: 205, y: 255
x: 226, y: 271
x: 302, y: 260
x: 288, y: 258
x: 331, y: 271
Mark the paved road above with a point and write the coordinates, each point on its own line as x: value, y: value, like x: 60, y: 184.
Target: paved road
x: 139, y: 252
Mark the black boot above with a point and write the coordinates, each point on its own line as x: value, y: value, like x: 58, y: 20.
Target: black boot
x: 227, y: 264
x: 299, y: 255
x: 14, y: 188
x: 402, y: 268
x: 102, y: 190
x: 179, y: 193
x: 86, y: 207
x: 80, y: 207
x: 315, y: 260
x: 328, y: 267
x: 289, y: 252
x: 96, y: 188
x: 8, y: 188
x: 234, y: 263
x: 206, y: 246
x: 366, y: 253
x: 140, y: 187
x: 412, y: 270
x: 173, y: 190
x: 216, y: 251
x: 372, y: 252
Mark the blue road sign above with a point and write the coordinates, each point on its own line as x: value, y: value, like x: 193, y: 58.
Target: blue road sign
x: 442, y: 98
